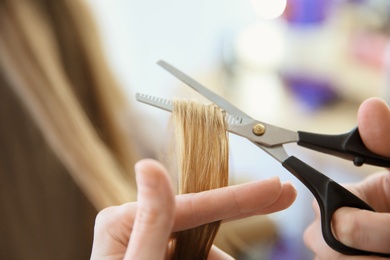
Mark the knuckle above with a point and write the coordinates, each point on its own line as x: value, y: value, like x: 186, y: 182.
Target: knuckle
x: 106, y: 219
x: 148, y: 215
x: 154, y: 216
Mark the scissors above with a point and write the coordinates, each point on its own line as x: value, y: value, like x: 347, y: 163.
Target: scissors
x: 328, y: 193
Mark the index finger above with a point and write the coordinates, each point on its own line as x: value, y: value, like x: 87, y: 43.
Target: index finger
x: 231, y: 203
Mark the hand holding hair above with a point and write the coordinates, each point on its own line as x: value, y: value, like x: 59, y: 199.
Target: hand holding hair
x: 141, y: 230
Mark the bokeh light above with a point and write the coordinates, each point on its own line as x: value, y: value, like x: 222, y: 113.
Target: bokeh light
x: 269, y: 9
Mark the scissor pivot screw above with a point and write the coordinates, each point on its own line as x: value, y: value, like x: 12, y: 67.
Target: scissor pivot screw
x: 258, y: 129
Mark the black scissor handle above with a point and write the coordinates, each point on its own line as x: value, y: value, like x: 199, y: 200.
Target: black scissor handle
x: 348, y: 146
x: 330, y: 197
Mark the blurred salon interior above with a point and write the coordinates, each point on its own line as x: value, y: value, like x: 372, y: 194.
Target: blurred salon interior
x: 299, y: 64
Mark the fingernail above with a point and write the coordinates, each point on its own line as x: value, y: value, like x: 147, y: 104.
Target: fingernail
x: 274, y: 178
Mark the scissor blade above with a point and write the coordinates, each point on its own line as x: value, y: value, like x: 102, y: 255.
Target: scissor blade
x: 216, y: 99
x: 167, y: 105
x: 162, y: 103
x: 240, y: 126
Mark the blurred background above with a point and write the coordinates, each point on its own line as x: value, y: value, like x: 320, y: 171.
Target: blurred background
x: 299, y: 64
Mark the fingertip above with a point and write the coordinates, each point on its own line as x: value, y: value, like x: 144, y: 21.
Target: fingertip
x: 374, y: 124
x: 285, y: 198
x: 291, y: 190
x: 289, y: 193
x: 274, y: 183
x: 151, y: 168
x: 262, y: 193
x: 273, y: 186
x: 373, y: 101
x: 148, y: 165
x: 153, y: 178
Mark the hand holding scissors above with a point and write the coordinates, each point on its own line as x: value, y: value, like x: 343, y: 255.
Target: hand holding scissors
x: 359, y: 228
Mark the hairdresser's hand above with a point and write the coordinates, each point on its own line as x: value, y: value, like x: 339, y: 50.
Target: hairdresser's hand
x: 140, y: 230
x: 356, y: 228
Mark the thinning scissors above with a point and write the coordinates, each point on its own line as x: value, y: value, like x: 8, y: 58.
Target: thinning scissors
x: 328, y: 193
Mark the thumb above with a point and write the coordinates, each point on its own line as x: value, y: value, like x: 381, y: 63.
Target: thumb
x: 155, y: 212
x: 374, y: 126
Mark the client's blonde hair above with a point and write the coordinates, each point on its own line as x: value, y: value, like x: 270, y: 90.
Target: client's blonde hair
x: 50, y: 56
x: 202, y: 164
x: 64, y: 150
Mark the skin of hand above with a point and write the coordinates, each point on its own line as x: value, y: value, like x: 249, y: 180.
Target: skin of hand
x: 356, y: 228
x: 141, y: 230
